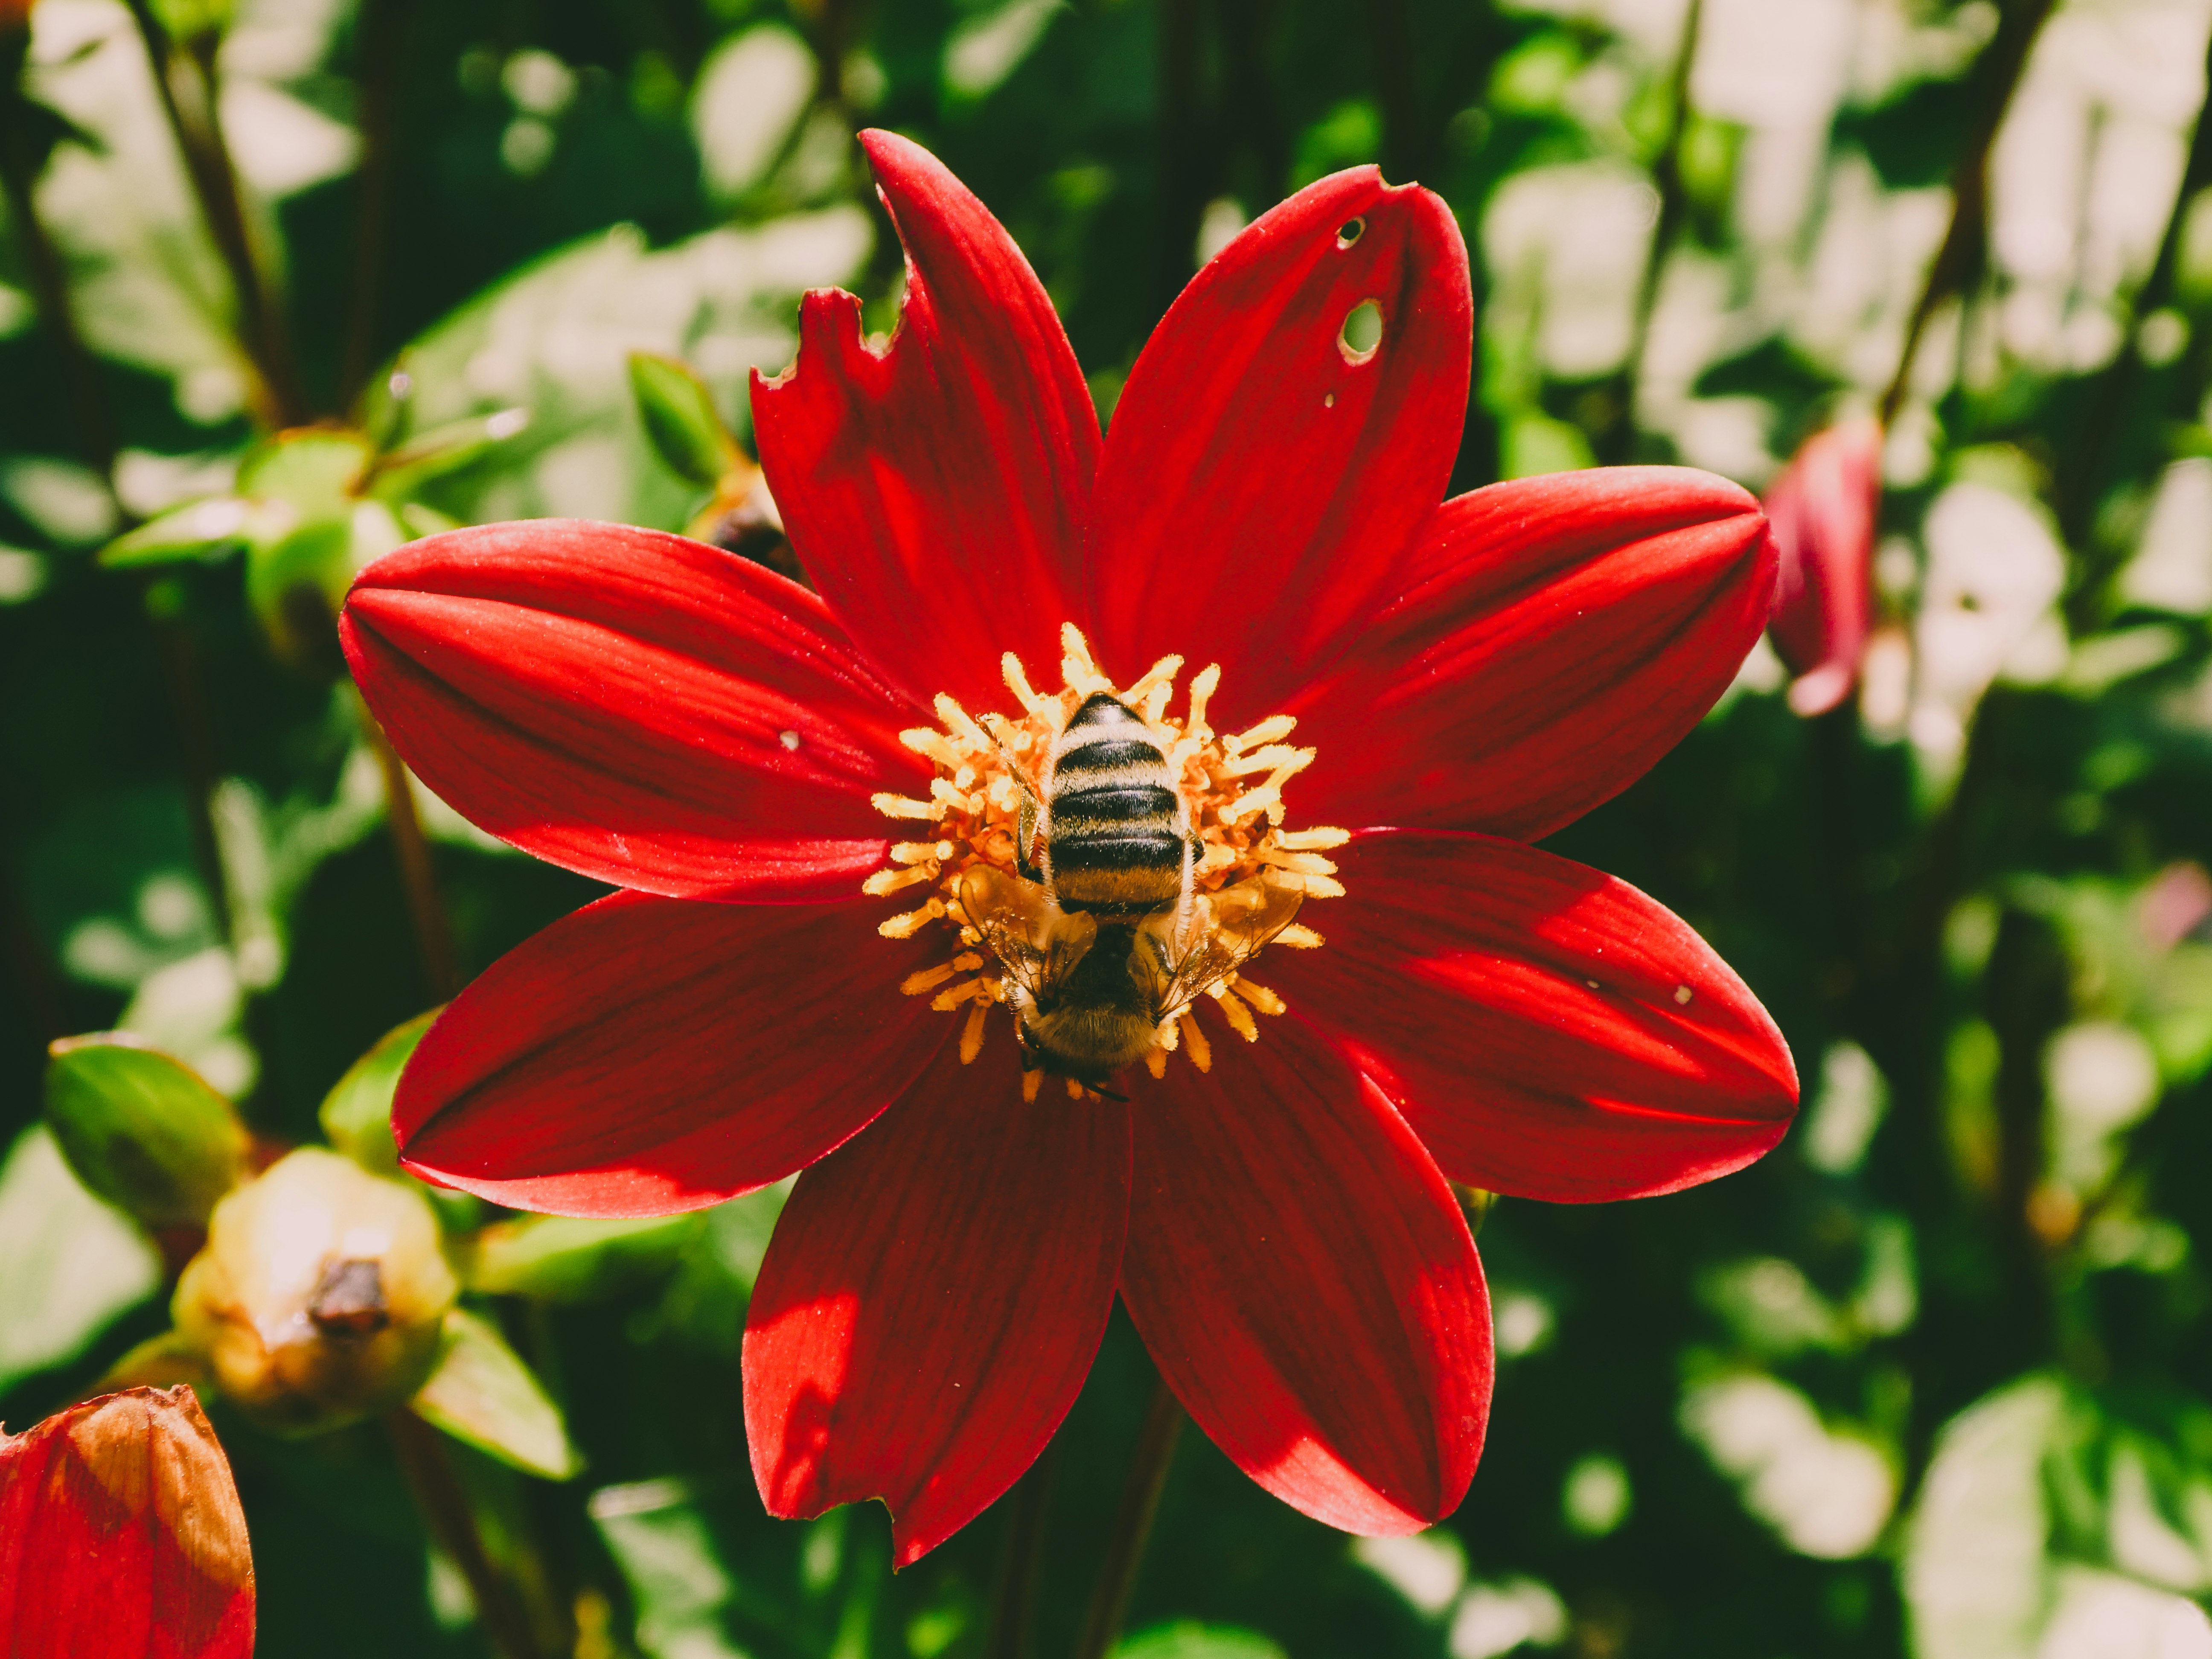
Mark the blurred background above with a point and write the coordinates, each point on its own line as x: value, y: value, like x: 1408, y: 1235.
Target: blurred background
x: 1934, y: 1378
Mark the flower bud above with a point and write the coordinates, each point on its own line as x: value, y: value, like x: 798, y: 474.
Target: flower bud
x: 319, y: 1296
x: 120, y: 1532
x: 143, y: 1129
x: 1822, y: 512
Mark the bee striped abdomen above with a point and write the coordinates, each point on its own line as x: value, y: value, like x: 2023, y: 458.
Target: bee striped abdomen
x: 1117, y: 836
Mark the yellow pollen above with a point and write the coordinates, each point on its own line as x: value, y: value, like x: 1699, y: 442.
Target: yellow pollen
x: 993, y: 769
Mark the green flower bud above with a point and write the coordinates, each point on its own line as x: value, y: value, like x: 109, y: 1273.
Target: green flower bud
x: 319, y: 1297
x: 143, y: 1129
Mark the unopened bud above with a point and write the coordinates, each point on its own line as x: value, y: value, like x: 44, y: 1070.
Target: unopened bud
x: 120, y: 1532
x: 319, y: 1296
x: 143, y: 1129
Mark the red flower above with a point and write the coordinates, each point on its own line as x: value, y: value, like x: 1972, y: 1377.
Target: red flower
x: 1823, y: 509
x: 653, y: 712
x: 120, y: 1533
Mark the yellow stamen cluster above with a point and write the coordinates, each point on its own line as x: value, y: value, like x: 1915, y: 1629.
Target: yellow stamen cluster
x: 1232, y: 784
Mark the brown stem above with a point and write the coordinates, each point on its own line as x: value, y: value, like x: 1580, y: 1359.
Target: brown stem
x: 1021, y: 1562
x: 49, y: 280
x: 1394, y: 81
x: 445, y: 1511
x: 1615, y: 438
x: 382, y: 24
x: 1960, y: 252
x: 189, y: 89
x: 195, y: 746
x: 1133, y: 1523
x: 2111, y: 400
x: 426, y: 906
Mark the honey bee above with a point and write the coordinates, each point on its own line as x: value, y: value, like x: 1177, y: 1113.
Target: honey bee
x: 1107, y: 937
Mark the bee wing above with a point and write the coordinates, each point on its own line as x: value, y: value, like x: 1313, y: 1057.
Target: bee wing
x: 1232, y: 927
x: 1038, y: 942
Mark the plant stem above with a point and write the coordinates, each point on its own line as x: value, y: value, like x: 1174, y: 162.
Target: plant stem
x: 1021, y: 1560
x: 208, y: 165
x: 188, y: 703
x: 1960, y: 252
x: 382, y: 24
x: 426, y: 906
x: 1618, y: 438
x: 445, y: 1510
x: 42, y: 263
x: 1132, y: 1522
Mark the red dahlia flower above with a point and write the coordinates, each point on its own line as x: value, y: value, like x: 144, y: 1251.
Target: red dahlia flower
x: 728, y: 746
x: 1823, y: 509
x: 121, y: 1534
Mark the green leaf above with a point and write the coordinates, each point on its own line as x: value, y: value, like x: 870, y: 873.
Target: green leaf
x: 316, y: 470
x: 679, y: 415
x: 200, y: 530
x: 1186, y: 1639
x: 142, y: 1129
x: 448, y: 449
x: 356, y: 1114
x: 69, y: 1265
x: 570, y: 1259
x: 482, y: 1392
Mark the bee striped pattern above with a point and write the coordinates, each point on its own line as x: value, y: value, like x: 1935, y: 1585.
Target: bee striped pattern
x: 1117, y: 835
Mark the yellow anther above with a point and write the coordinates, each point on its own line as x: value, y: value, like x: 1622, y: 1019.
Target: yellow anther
x: 956, y: 722
x: 1240, y: 1017
x: 1301, y: 840
x: 1018, y: 682
x: 898, y: 807
x: 925, y: 742
x: 942, y: 792
x: 906, y: 926
x: 1202, y: 688
x: 1251, y: 801
x: 1074, y: 1090
x: 1260, y: 760
x: 965, y: 778
x: 1305, y: 864
x: 1031, y: 1082
x: 971, y: 1034
x: 1273, y: 729
x: 913, y: 852
x: 890, y: 881
x: 1299, y: 937
x: 1259, y: 996
x: 1322, y: 887
x: 1201, y: 1052
x: 927, y: 978
x: 1155, y: 1062
x: 1169, y: 1035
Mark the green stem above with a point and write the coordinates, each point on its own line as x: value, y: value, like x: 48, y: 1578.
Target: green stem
x: 452, y: 1525
x: 1133, y: 1523
x: 1013, y: 1611
x: 1960, y: 252
x: 214, y: 177
x: 426, y: 906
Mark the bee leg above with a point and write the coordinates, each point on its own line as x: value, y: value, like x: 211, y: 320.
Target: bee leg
x: 1026, y: 841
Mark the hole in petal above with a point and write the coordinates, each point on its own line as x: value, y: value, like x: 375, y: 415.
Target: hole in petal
x: 1350, y: 232
x: 1362, y: 332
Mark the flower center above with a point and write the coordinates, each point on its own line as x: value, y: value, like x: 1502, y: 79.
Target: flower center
x: 1102, y: 866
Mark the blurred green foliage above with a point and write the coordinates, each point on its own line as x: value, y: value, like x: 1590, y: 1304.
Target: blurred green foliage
x: 1935, y: 1377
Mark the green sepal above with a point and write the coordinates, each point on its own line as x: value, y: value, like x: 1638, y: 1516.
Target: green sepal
x: 444, y: 449
x: 143, y: 1129
x: 678, y: 413
x: 200, y: 530
x: 356, y: 1114
x: 572, y: 1259
x: 481, y: 1392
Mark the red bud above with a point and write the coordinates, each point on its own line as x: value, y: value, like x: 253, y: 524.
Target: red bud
x: 1821, y: 512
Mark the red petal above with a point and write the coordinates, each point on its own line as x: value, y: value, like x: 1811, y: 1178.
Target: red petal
x: 1823, y: 508
x: 1556, y: 636
x: 1260, y: 488
x: 642, y: 709
x: 646, y: 1055
x: 1306, y: 1284
x: 121, y: 1533
x: 1547, y: 1031
x: 936, y: 491
x: 932, y: 1298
